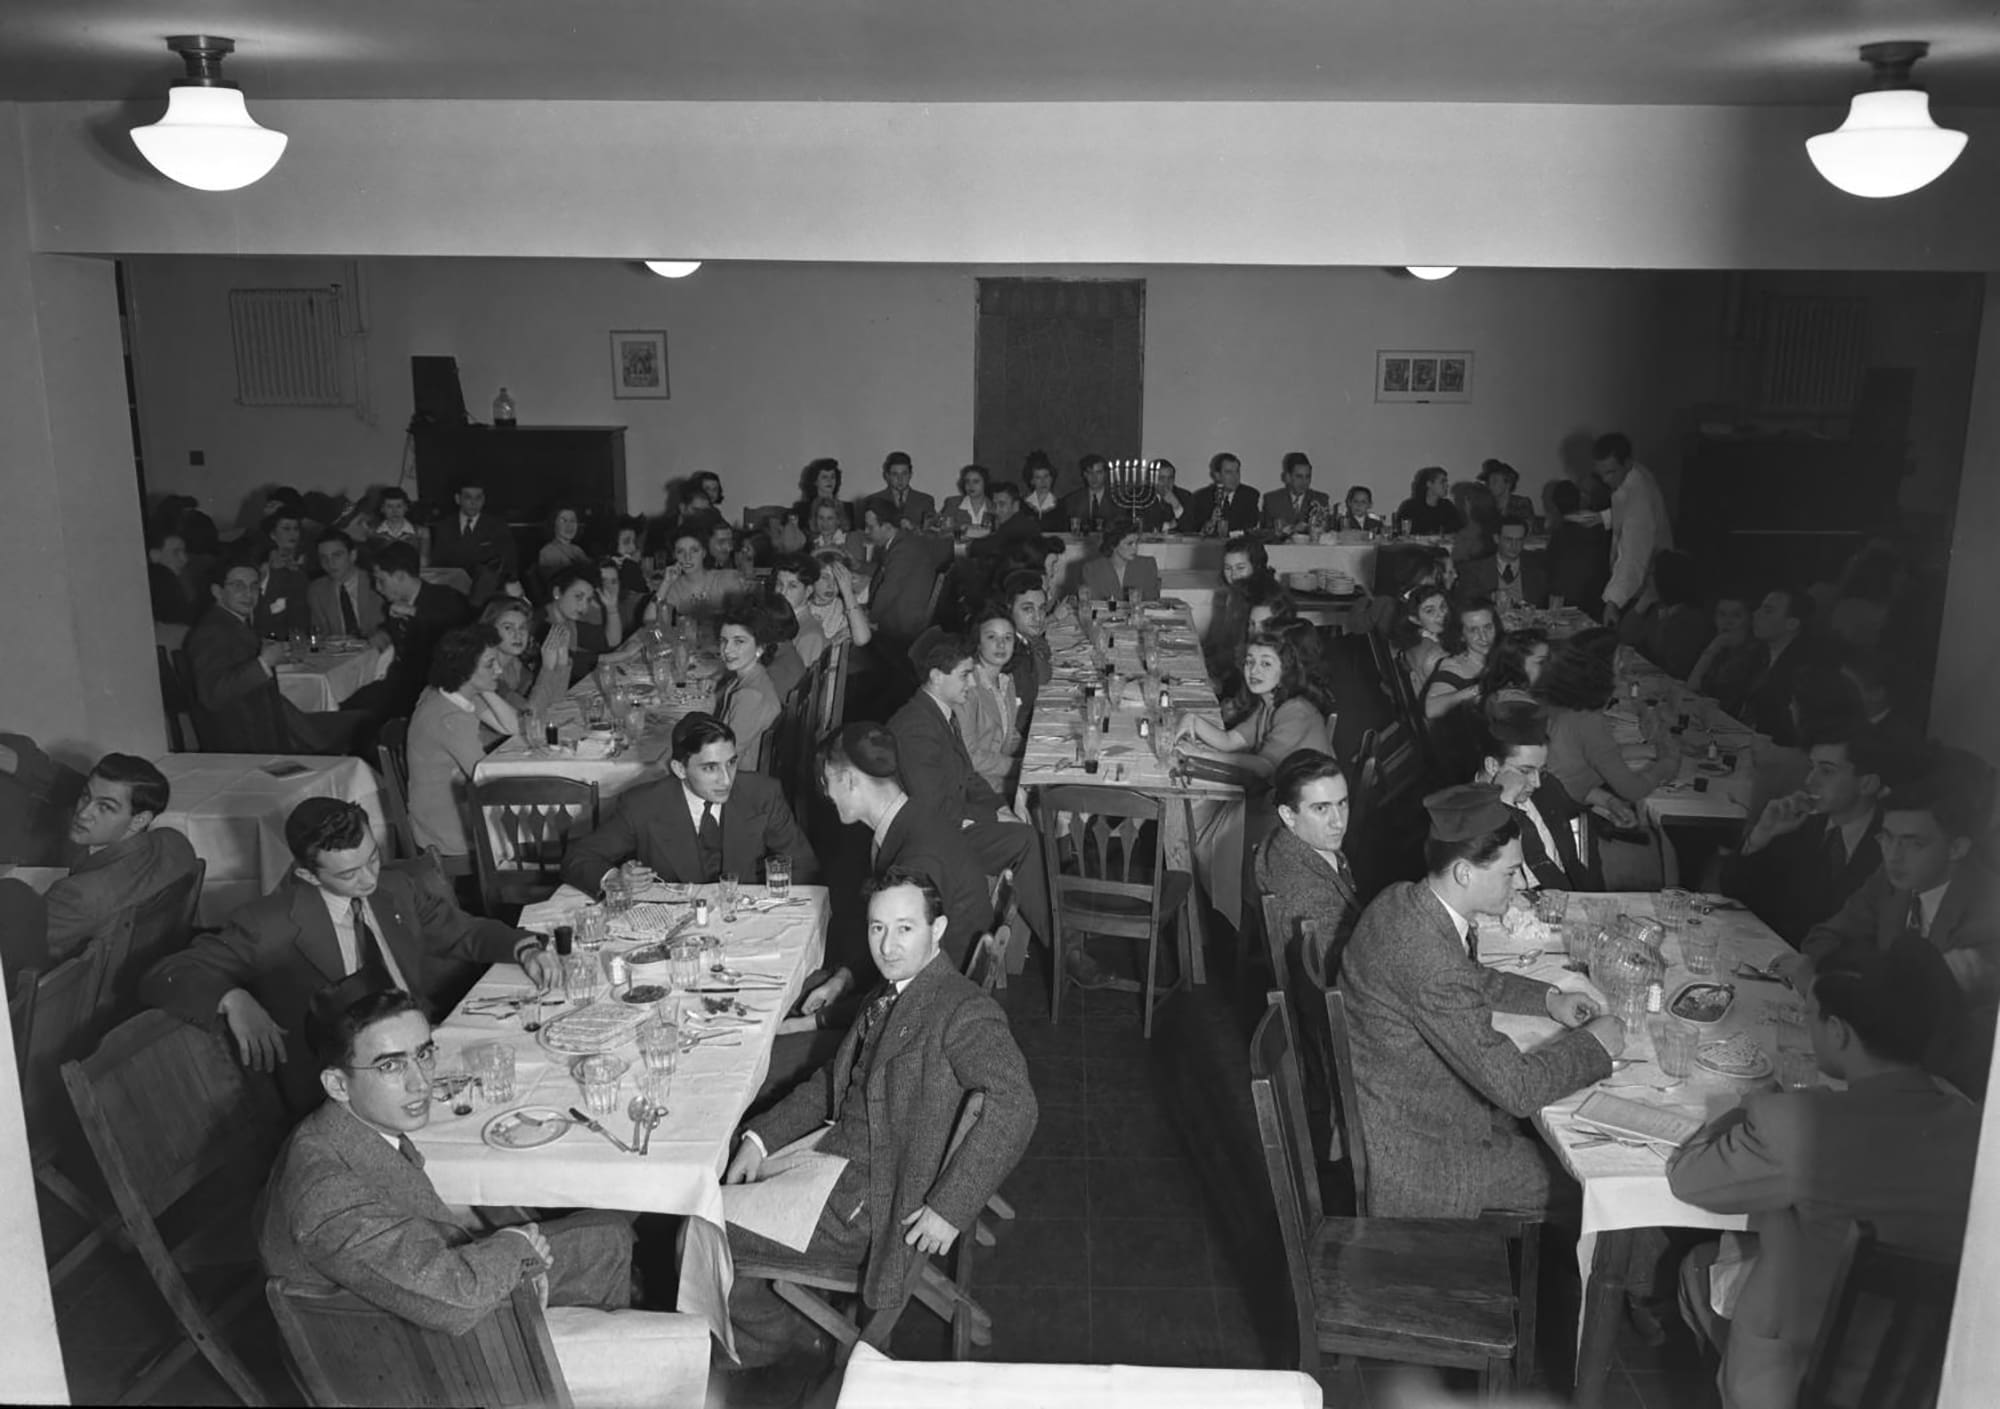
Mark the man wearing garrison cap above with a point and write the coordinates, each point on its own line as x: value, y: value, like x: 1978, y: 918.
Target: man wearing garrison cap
x: 1442, y: 1094
x: 340, y: 912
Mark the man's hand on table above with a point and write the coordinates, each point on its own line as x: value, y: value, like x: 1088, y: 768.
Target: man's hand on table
x: 259, y: 1040
x: 928, y: 1232
x: 837, y: 983
x: 1571, y: 1009
x: 743, y: 1167
x: 540, y: 967
x: 1618, y: 812
x: 1609, y: 1032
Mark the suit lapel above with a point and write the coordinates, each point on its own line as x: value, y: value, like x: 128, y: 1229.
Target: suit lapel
x: 312, y: 933
x: 675, y: 830
x: 398, y: 919
x: 906, y: 1015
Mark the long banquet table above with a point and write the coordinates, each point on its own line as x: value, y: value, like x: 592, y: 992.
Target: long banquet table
x: 1625, y: 1188
x: 710, y: 1092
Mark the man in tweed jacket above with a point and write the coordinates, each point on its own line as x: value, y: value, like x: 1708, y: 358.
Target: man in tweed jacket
x: 890, y: 1102
x: 1442, y: 1093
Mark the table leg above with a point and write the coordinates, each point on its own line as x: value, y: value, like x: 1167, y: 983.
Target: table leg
x: 1603, y: 1299
x: 1197, y: 926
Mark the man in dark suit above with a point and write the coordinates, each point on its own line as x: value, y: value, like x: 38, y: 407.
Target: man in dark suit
x: 932, y: 759
x: 348, y: 1207
x: 888, y: 1104
x: 1169, y: 509
x: 1092, y: 504
x: 901, y: 505
x: 1515, y: 756
x: 1443, y: 1094
x: 281, y: 594
x: 1808, y: 852
x: 238, y: 706
x: 1893, y: 1148
x: 338, y: 913
x: 416, y: 616
x: 1228, y: 506
x: 1511, y: 576
x: 706, y: 819
x: 1779, y: 626
x: 343, y: 601
x: 121, y: 860
x: 1293, y: 506
x: 906, y: 564
x: 1301, y: 870
x: 476, y: 542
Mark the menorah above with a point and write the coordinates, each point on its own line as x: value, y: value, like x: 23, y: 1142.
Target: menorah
x: 1135, y: 484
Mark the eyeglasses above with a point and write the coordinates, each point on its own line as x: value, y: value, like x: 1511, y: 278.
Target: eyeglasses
x: 396, y: 1068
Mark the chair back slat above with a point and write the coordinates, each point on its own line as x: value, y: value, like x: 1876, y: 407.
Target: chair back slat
x: 1346, y: 1104
x: 831, y: 703
x: 1288, y: 1163
x: 65, y: 1004
x: 21, y: 1015
x: 165, y: 1105
x: 1882, y: 1337
x: 532, y: 820
x: 348, y: 1352
x: 392, y: 755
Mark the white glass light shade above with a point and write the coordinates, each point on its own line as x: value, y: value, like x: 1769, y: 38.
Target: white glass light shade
x: 1887, y: 147
x: 209, y: 141
x: 1432, y: 271
x: 673, y: 268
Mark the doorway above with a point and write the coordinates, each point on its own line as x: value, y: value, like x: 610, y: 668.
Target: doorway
x: 1060, y: 367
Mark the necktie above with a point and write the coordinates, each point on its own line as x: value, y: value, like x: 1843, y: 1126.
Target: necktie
x: 348, y: 619
x: 708, y: 841
x: 1836, y: 853
x: 1507, y: 574
x: 1914, y: 925
x: 367, y: 953
x: 408, y: 1148
x: 874, y: 1019
x: 899, y: 503
x: 465, y: 527
x: 1472, y: 943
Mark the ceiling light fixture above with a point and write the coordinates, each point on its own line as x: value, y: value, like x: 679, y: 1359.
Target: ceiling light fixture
x: 1432, y: 272
x: 208, y: 140
x: 1889, y: 146
x: 673, y: 268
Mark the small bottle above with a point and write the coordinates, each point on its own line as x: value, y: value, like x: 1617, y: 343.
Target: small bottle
x: 565, y: 940
x: 503, y: 409
x: 1166, y: 701
x: 1656, y: 996
x: 1145, y: 727
x: 701, y: 913
x: 620, y: 972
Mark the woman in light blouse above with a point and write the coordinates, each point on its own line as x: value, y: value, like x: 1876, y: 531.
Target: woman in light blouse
x: 746, y: 700
x: 456, y: 722
x: 690, y: 586
x: 1119, y: 568
x: 839, y: 601
x: 970, y: 508
x: 528, y: 681
x: 988, y: 714
x: 561, y: 551
x: 1419, y: 635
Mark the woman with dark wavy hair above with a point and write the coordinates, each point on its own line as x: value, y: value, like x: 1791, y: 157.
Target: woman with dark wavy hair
x: 1513, y: 667
x: 1429, y: 510
x: 456, y: 722
x: 1418, y: 634
x: 1468, y: 640
x: 819, y: 483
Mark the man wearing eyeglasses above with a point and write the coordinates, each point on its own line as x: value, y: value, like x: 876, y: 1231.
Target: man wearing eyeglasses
x: 349, y: 1208
x: 338, y: 913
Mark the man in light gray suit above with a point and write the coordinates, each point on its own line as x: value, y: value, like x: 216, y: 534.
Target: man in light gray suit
x: 1442, y: 1093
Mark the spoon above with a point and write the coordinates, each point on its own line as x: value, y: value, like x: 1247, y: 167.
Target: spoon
x: 654, y: 1115
x: 641, y: 1111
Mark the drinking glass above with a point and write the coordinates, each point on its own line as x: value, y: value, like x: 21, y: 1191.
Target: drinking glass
x: 778, y: 876
x: 598, y: 1077
x: 1797, y: 1069
x: 583, y: 978
x: 1579, y: 936
x: 1552, y: 907
x: 728, y: 888
x: 617, y: 895
x: 451, y: 1084
x: 530, y: 1012
x: 635, y: 722
x: 1674, y: 1044
x: 684, y: 965
x: 1699, y: 948
x: 593, y: 925
x: 1673, y: 907
x: 492, y: 1066
x: 654, y: 1087
x: 711, y: 953
x: 660, y: 1046
x: 531, y: 730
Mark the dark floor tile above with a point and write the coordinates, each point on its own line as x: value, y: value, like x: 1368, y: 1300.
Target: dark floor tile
x: 1122, y: 1078
x: 1058, y: 1078
x: 1061, y: 1129
x: 1037, y: 1037
x: 1047, y: 1188
x: 1670, y: 1390
x: 1143, y: 1188
x: 1242, y: 1339
x: 1159, y: 1252
x: 1038, y: 1325
x: 1135, y: 1128
x: 1153, y: 1326
x: 1039, y: 1252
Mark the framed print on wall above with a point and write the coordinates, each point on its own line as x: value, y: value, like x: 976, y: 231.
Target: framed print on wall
x: 1423, y: 376
x: 639, y: 365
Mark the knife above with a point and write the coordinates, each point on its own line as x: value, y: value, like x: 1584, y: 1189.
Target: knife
x: 590, y: 1124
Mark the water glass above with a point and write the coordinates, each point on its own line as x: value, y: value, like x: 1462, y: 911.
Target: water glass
x: 1552, y: 907
x: 617, y: 895
x: 1673, y: 908
x: 1579, y: 938
x: 684, y: 965
x: 728, y: 889
x: 583, y: 978
x: 593, y: 926
x: 1674, y: 1044
x: 492, y: 1066
x: 598, y: 1077
x: 778, y: 876
x: 660, y: 1046
x: 1797, y: 1069
x: 1699, y: 948
x: 711, y: 960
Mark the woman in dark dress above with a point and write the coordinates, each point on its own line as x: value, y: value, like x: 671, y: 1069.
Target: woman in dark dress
x: 1429, y: 510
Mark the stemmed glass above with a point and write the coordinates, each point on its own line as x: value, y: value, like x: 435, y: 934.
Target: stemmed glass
x: 728, y: 888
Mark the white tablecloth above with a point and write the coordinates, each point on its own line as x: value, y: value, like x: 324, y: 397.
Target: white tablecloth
x: 632, y: 764
x: 36, y: 878
x: 714, y: 1086
x: 1625, y: 1187
x: 323, y: 680
x: 1727, y: 796
x: 234, y: 812
x: 874, y: 1381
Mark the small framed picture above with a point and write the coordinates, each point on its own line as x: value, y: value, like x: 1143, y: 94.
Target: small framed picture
x: 639, y: 366
x: 1423, y: 376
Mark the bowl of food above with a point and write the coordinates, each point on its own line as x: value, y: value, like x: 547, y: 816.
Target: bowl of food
x: 647, y: 964
x: 1702, y: 1003
x: 1737, y: 1057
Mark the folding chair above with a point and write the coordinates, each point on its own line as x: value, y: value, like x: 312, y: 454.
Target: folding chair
x: 1882, y: 1337
x: 520, y: 827
x: 392, y: 757
x: 63, y: 1026
x: 138, y: 938
x: 179, y: 1128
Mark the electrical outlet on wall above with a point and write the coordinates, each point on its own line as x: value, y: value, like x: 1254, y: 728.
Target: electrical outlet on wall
x: 197, y: 457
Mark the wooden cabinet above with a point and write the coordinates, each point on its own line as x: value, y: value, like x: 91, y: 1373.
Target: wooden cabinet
x: 527, y: 470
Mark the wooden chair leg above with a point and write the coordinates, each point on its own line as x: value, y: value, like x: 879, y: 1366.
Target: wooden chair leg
x: 1527, y: 1294
x: 1152, y: 972
x: 1000, y: 1209
x: 1058, y: 977
x: 817, y: 1311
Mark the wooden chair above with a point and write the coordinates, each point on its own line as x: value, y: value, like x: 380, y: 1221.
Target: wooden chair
x: 178, y: 705
x: 64, y: 1026
x: 179, y: 1128
x: 830, y: 702
x: 346, y: 1351
x: 533, y: 819
x: 1882, y: 1337
x: 1418, y: 1291
x: 392, y: 759
x: 21, y: 1015
x: 937, y: 595
x: 1110, y: 833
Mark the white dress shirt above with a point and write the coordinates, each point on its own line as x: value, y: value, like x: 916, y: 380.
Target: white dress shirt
x: 339, y: 909
x: 1534, y: 814
x: 1458, y: 922
x: 882, y: 830
x: 1637, y: 519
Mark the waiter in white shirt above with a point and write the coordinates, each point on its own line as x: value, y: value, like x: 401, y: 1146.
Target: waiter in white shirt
x: 1637, y: 519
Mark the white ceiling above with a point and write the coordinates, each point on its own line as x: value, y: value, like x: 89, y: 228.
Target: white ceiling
x: 1568, y: 51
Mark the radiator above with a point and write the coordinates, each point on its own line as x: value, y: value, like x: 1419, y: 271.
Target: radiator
x: 1811, y: 355
x: 287, y: 347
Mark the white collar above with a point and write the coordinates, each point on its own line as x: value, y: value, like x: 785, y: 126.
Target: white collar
x: 882, y: 827
x: 942, y: 707
x: 695, y: 804
x: 1930, y: 901
x: 461, y: 701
